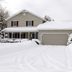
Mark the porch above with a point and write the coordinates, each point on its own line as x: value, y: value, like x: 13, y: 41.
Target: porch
x: 20, y: 33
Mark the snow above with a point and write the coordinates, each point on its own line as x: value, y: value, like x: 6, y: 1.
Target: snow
x: 27, y: 56
x: 20, y: 29
x: 36, y: 40
x: 53, y: 25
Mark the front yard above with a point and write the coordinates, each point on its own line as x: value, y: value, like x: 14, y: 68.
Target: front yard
x: 27, y: 56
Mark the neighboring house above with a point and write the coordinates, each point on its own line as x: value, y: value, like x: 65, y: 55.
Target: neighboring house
x: 54, y: 33
x: 23, y: 25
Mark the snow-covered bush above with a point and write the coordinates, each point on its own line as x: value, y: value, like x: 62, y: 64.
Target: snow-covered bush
x: 7, y: 40
x: 69, y: 39
x: 22, y: 40
x: 48, y: 18
x: 3, y: 40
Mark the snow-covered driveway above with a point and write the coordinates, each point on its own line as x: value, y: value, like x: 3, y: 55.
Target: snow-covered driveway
x: 30, y: 57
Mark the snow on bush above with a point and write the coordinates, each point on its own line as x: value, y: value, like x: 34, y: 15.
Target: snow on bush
x: 69, y: 39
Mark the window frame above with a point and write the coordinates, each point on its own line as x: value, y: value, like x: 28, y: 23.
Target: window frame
x: 29, y: 23
x: 14, y: 23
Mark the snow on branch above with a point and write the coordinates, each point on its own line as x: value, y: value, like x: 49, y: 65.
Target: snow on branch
x: 48, y: 18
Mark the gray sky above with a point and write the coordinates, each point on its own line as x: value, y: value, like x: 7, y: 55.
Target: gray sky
x: 57, y: 9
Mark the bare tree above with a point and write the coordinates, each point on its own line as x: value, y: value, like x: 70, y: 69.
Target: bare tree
x: 47, y: 18
x: 3, y: 15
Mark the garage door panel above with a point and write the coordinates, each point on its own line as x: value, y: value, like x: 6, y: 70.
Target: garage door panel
x: 54, y: 39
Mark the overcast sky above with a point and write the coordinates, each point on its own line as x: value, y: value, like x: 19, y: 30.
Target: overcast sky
x: 57, y: 9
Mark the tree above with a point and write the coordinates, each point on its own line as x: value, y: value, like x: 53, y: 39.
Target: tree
x: 47, y: 18
x: 3, y: 15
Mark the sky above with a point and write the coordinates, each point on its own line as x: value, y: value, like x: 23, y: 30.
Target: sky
x: 57, y: 9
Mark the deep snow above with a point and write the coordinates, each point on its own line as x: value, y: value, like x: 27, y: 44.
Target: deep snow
x: 55, y: 25
x: 30, y: 57
x: 21, y: 29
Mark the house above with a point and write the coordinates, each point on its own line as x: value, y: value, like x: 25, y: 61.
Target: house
x: 49, y: 33
x: 54, y: 33
x: 26, y: 25
x: 22, y: 25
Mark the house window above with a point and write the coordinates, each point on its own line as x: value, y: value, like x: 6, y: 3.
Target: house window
x: 22, y: 35
x: 34, y: 35
x: 29, y: 23
x: 16, y: 35
x: 10, y: 35
x: 14, y: 23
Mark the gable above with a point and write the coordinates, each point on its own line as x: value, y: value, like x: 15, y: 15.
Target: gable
x: 24, y: 16
x: 24, y: 13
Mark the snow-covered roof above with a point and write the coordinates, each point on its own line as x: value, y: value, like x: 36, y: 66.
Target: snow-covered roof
x: 55, y: 26
x: 23, y: 11
x: 21, y: 29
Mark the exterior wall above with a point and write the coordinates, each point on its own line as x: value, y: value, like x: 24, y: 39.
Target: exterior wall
x: 41, y: 33
x: 22, y: 18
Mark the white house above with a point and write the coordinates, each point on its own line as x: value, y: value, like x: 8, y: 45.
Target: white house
x: 23, y: 25
x: 27, y: 25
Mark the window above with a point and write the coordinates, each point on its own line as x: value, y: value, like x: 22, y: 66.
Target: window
x: 15, y: 35
x: 29, y: 23
x: 22, y: 35
x: 14, y: 23
x: 34, y: 35
x: 10, y: 35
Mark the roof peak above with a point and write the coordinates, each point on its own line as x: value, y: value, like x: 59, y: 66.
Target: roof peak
x: 23, y: 11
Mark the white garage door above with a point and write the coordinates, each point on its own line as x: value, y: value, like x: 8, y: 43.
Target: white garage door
x: 54, y: 39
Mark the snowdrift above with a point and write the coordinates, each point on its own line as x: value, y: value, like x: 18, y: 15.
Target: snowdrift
x: 30, y: 57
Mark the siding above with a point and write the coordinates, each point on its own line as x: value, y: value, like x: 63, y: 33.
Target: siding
x: 23, y: 18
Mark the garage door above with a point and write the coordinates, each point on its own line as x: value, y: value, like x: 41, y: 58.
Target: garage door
x: 54, y: 39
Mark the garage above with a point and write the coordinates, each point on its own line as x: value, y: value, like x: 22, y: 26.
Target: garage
x: 54, y: 39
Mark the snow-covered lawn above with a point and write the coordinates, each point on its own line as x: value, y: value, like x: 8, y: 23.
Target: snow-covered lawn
x: 30, y: 57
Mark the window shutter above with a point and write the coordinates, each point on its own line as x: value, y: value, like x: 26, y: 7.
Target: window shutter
x: 11, y: 23
x: 17, y: 23
x: 26, y: 23
x: 32, y: 23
